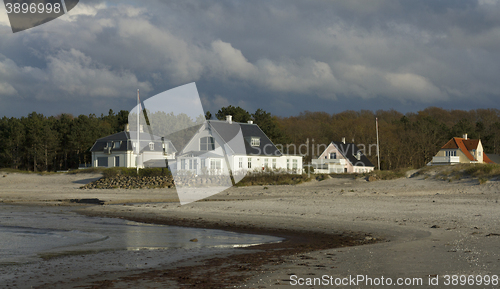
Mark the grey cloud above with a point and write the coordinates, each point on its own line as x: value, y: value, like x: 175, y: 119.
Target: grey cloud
x: 427, y: 52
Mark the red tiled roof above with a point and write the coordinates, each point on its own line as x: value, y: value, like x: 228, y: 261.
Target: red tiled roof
x: 487, y: 160
x: 464, y: 145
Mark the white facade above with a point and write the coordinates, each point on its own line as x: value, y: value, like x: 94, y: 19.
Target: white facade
x: 340, y: 158
x: 204, y: 155
x: 124, y: 159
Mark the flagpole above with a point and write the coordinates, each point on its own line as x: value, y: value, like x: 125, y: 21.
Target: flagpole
x: 138, y: 131
x: 378, y: 149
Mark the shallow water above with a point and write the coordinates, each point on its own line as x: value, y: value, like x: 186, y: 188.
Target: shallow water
x: 28, y: 233
x: 35, y: 239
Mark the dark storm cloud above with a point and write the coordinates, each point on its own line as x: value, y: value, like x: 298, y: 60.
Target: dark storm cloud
x: 283, y: 56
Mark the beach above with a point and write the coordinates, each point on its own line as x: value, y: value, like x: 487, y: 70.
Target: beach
x: 409, y: 228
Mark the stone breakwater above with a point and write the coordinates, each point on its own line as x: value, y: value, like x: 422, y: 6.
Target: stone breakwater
x: 135, y: 182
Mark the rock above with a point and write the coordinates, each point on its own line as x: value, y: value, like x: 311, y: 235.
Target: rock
x: 193, y: 240
x: 371, y: 178
x: 435, y: 226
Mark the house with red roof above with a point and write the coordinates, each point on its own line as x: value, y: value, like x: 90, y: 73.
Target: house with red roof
x: 461, y: 151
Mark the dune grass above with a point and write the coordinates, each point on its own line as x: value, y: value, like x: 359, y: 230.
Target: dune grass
x: 388, y: 174
x: 272, y: 178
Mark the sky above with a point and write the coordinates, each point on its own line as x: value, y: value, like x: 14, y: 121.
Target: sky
x: 284, y: 56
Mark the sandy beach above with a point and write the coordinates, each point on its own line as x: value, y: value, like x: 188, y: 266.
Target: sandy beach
x: 406, y: 228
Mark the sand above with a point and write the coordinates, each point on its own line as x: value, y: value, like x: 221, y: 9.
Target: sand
x: 428, y: 227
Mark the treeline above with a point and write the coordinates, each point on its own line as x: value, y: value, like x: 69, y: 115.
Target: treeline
x: 406, y: 140
x: 40, y: 143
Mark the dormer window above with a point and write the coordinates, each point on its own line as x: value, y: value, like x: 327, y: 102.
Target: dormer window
x: 109, y: 144
x: 358, y: 155
x: 152, y: 146
x: 255, y: 141
x: 116, y: 144
x: 207, y: 143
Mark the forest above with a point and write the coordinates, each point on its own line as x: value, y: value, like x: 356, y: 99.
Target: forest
x: 54, y: 143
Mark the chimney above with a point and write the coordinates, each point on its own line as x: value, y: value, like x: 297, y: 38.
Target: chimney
x: 465, y: 136
x: 343, y: 140
x: 127, y: 127
x: 229, y: 119
x: 250, y: 121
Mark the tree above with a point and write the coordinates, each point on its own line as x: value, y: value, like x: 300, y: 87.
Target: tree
x: 269, y: 125
x: 238, y: 113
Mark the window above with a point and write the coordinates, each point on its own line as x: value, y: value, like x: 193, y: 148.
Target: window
x: 249, y: 163
x: 287, y: 164
x: 295, y: 164
x: 266, y: 162
x: 195, y: 164
x: 203, y: 163
x: 451, y: 153
x: 109, y: 144
x: 274, y: 164
x: 333, y: 156
x: 255, y: 141
x: 152, y: 146
x: 207, y: 143
x: 215, y: 164
x: 240, y: 163
x: 116, y: 145
x: 479, y: 153
x: 117, y: 161
x: 102, y: 162
x: 183, y: 165
x: 190, y: 164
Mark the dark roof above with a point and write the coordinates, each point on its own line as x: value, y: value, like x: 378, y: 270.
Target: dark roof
x: 126, y: 138
x: 228, y: 131
x: 349, y: 151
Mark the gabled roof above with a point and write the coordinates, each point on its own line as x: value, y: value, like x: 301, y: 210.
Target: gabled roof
x: 127, y: 138
x: 461, y: 143
x: 227, y: 131
x: 349, y: 151
x: 466, y: 145
x: 487, y: 160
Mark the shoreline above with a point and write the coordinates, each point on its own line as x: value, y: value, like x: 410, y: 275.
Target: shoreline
x: 430, y: 226
x: 253, y: 257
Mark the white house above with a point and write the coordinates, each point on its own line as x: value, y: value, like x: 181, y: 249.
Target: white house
x: 342, y: 157
x: 117, y: 150
x: 220, y: 146
x: 461, y: 150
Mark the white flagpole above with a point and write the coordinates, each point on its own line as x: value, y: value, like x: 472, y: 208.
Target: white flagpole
x: 138, y: 131
x: 378, y: 149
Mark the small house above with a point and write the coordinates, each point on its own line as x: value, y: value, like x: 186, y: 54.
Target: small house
x: 119, y: 150
x: 461, y: 151
x: 342, y: 157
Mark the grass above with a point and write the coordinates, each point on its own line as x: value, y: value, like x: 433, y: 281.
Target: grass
x: 481, y: 172
x: 388, y: 174
x: 271, y: 178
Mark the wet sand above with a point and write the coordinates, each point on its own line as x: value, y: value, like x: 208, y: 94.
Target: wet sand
x: 424, y: 227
